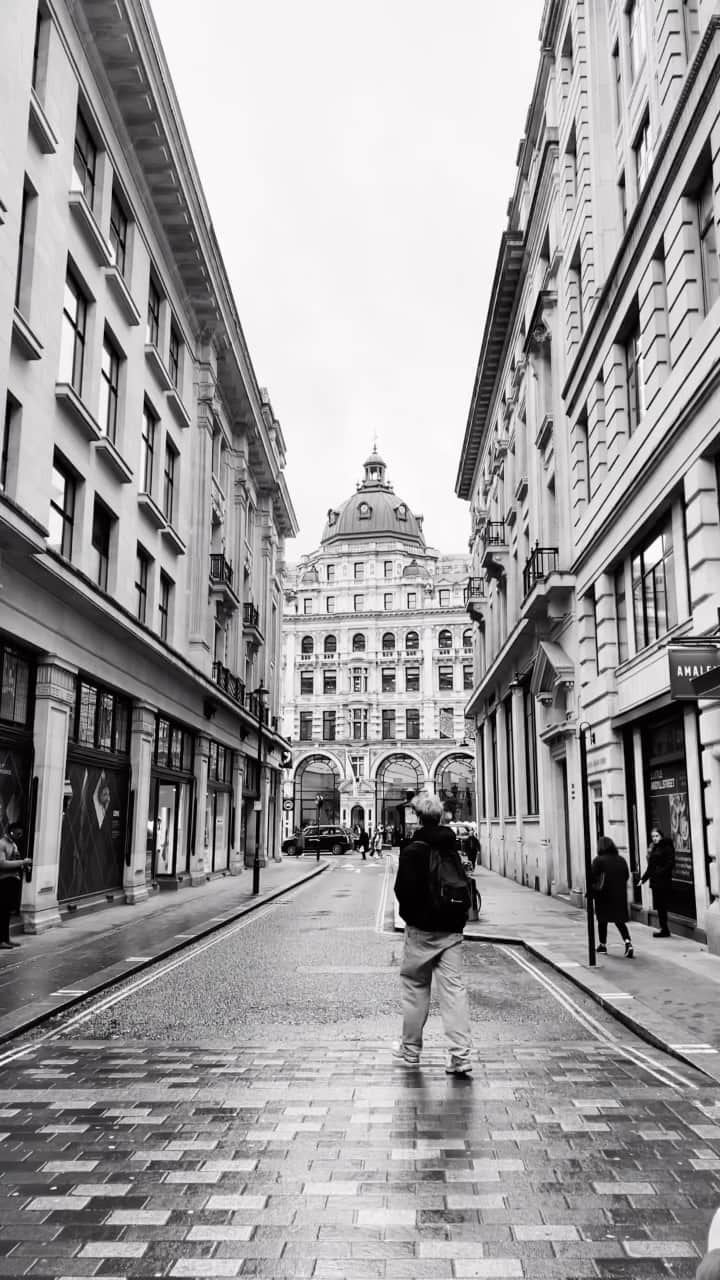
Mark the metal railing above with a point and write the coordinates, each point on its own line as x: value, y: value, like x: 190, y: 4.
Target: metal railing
x: 541, y: 562
x: 474, y: 589
x: 228, y: 682
x: 251, y: 615
x: 221, y: 570
x: 494, y: 534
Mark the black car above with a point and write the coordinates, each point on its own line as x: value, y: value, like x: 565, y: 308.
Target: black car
x: 328, y: 839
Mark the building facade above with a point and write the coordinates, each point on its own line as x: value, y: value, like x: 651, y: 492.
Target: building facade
x: 377, y: 662
x: 590, y: 460
x: 143, y: 505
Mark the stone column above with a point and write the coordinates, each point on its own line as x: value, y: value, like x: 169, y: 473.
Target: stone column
x: 54, y: 704
x: 142, y: 742
x: 199, y: 854
x: 238, y: 776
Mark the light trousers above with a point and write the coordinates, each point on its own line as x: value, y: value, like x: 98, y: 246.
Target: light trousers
x: 440, y: 954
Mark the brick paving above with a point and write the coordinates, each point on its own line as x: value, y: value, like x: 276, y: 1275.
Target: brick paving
x: 134, y: 1159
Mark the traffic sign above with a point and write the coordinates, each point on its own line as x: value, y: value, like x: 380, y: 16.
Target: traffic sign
x: 288, y: 805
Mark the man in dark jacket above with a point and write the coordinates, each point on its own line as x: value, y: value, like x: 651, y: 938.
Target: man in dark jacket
x: 433, y: 938
x: 659, y: 869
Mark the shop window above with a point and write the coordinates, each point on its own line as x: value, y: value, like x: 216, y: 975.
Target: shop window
x: 445, y: 679
x: 653, y: 587
x: 329, y: 726
x: 412, y: 724
x: 307, y: 683
x: 388, y: 725
x: 388, y: 679
x: 306, y: 726
x: 531, y: 766
x: 102, y: 718
x: 16, y: 690
x: 412, y: 679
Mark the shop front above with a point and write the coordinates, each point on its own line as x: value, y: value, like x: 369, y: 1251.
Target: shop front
x: 219, y: 808
x: 397, y: 780
x: 170, y: 806
x: 455, y: 785
x: 317, y: 791
x: 17, y: 687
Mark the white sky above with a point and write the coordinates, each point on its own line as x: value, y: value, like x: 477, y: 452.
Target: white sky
x: 358, y: 159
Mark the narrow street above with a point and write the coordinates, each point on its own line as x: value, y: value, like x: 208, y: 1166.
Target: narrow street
x: 234, y: 1111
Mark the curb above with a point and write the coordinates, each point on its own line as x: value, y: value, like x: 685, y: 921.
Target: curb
x: 73, y: 1001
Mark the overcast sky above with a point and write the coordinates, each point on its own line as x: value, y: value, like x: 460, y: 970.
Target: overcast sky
x: 358, y: 159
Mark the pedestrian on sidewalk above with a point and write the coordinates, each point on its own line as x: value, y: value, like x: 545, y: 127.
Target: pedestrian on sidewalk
x: 377, y: 842
x: 659, y: 869
x: 609, y: 877
x: 433, y: 938
x: 364, y: 843
x: 12, y: 865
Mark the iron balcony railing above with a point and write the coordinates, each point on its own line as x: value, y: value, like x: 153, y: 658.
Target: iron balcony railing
x: 494, y: 533
x: 221, y: 570
x: 474, y: 590
x: 541, y: 562
x: 251, y: 615
x: 228, y: 682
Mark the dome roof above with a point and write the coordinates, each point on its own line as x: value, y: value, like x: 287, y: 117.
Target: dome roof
x: 373, y: 511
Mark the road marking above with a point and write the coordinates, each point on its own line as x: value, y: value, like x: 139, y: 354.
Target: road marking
x: 382, y: 905
x: 70, y: 991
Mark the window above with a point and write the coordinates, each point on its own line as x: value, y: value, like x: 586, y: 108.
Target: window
x: 412, y: 723
x: 109, y: 387
x: 445, y: 640
x: 653, y: 587
x: 412, y: 679
x: 467, y: 678
x: 11, y: 429
x: 23, y: 274
x: 509, y: 758
x: 164, y: 606
x: 643, y: 153
x: 359, y: 570
x: 622, y: 197
x: 72, y: 337
x: 330, y: 604
x: 412, y: 599
x: 359, y: 723
x: 40, y: 23
x: 142, y: 574
x: 446, y: 722
x: 101, y: 719
x: 101, y: 531
x: 387, y: 600
x: 118, y: 234
x: 621, y: 615
x: 691, y: 26
x: 634, y: 377
x: 467, y: 639
x: 307, y: 604
x: 708, y: 243
x: 152, y: 330
x: 388, y: 724
x: 330, y: 572
x: 358, y: 643
x: 307, y: 683
x: 330, y: 645
x: 387, y: 568
x: 617, y: 80
x: 147, y: 449
x: 493, y: 765
x: 329, y: 726
x: 62, y: 510
x: 174, y: 356
x: 531, y: 771
x: 307, y: 646
x: 306, y: 726
x: 388, y: 679
x: 171, y: 457
x: 444, y: 597
x: 637, y: 40
x: 445, y: 678
x: 358, y: 603
x: 357, y: 764
x: 84, y: 160
x: 388, y: 642
x: 412, y: 642
x: 329, y: 682
x: 575, y: 282
x: 358, y: 680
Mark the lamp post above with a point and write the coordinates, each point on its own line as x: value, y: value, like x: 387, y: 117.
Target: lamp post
x: 320, y: 801
x: 582, y: 730
x: 260, y: 694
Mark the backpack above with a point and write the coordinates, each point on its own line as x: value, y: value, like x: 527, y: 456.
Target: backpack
x: 448, y: 886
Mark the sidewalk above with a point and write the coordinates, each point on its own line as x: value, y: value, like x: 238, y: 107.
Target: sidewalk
x: 87, y: 953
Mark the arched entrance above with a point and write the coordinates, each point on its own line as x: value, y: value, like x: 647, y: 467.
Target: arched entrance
x: 317, y: 796
x: 455, y: 785
x: 357, y: 816
x: 396, y: 781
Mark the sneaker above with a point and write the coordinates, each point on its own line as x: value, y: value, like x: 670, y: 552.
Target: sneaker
x: 601, y: 948
x: 458, y: 1067
x: 629, y: 953
x: 403, y: 1056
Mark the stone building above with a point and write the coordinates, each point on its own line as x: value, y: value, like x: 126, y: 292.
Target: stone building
x: 590, y: 460
x: 143, y: 506
x: 377, y: 662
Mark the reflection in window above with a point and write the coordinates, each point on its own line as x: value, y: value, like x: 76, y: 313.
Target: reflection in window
x: 653, y: 587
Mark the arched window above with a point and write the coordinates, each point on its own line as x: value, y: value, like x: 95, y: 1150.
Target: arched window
x: 411, y: 640
x: 388, y: 640
x: 445, y: 640
x: 467, y: 638
x: 358, y: 643
x: 330, y: 644
x: 306, y: 644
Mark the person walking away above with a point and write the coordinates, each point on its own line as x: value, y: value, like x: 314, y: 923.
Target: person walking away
x: 12, y: 865
x: 434, y: 921
x: 659, y: 869
x: 364, y: 843
x: 377, y: 844
x: 609, y: 877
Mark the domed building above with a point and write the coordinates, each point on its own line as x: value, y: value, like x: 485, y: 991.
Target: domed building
x: 377, y: 667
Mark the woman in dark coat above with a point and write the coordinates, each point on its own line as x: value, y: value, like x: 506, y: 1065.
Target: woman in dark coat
x: 659, y: 869
x: 610, y: 875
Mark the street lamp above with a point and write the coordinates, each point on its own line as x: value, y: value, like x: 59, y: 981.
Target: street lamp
x: 261, y: 695
x: 582, y: 730
x: 320, y: 802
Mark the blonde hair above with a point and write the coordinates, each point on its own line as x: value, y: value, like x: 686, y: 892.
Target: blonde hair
x: 428, y: 806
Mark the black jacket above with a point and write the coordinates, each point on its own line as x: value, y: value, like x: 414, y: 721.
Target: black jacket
x: 611, y: 901
x: 413, y: 876
x: 660, y: 863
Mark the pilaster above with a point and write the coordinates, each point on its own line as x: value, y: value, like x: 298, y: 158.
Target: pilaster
x: 142, y: 742
x: 199, y: 854
x: 54, y: 705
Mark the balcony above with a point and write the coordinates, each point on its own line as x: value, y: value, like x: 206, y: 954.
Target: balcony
x: 221, y: 582
x: 230, y: 684
x: 546, y: 588
x: 474, y: 599
x: 251, y: 624
x: 498, y: 456
x: 495, y: 553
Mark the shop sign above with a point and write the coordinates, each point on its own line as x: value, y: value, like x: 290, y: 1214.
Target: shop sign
x: 687, y: 664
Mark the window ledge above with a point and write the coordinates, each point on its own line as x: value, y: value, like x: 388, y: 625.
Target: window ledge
x: 153, y: 358
x: 181, y: 413
x: 68, y: 397
x: 118, y: 287
x: 40, y: 126
x: 89, y: 229
x: 27, y: 342
x: 173, y: 537
x: 112, y: 458
x: 150, y: 508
